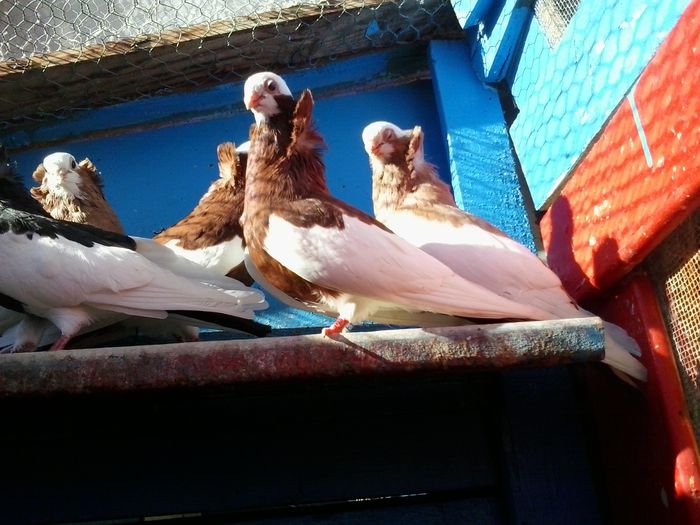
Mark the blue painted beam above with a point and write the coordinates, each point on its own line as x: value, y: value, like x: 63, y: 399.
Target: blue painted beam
x: 471, y: 13
x: 505, y: 60
x: 482, y: 168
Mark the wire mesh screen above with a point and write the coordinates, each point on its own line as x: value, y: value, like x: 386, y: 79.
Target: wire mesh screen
x: 554, y: 17
x: 675, y: 269
x: 45, y: 26
x: 59, y: 57
x: 577, y: 64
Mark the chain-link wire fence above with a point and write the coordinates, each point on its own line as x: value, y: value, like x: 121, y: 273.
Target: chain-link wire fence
x: 60, y: 57
x: 579, y: 60
x: 554, y: 17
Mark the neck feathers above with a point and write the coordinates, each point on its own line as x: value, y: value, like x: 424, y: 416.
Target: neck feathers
x: 91, y: 208
x: 407, y: 181
x: 284, y: 161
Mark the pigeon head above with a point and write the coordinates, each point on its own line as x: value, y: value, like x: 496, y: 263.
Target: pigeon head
x: 260, y: 94
x: 63, y: 176
x: 384, y: 140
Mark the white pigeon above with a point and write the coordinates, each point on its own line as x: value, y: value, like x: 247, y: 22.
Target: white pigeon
x: 82, y: 275
x: 411, y: 200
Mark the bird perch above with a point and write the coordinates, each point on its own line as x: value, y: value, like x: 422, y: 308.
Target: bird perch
x: 219, y: 363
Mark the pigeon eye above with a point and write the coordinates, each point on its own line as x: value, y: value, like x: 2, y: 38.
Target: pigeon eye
x: 271, y: 85
x: 73, y: 165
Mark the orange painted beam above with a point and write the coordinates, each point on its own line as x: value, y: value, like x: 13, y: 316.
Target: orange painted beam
x: 667, y: 483
x: 640, y: 179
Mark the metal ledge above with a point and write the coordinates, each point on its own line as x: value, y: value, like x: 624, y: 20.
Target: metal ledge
x: 273, y: 359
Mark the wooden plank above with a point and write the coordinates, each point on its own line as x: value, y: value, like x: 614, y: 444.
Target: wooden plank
x: 664, y: 487
x: 225, y: 451
x: 484, y: 176
x: 295, y: 37
x: 474, y: 511
x: 640, y: 179
x: 206, y: 364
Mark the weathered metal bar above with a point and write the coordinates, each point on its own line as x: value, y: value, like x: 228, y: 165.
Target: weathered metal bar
x: 218, y: 363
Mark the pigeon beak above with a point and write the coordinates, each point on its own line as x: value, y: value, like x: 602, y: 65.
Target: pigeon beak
x: 252, y: 101
x: 54, y: 172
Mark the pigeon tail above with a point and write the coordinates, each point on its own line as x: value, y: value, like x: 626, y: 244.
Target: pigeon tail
x: 620, y: 352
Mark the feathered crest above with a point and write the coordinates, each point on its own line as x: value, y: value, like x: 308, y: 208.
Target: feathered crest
x: 89, y: 168
x: 415, y: 147
x: 230, y: 164
x: 420, y: 169
x: 39, y: 173
x: 40, y: 192
x: 304, y: 134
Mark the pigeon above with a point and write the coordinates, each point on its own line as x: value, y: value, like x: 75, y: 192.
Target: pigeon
x: 411, y: 200
x: 212, y: 234
x: 9, y: 318
x: 83, y: 276
x: 72, y: 191
x: 75, y: 193
x: 323, y: 252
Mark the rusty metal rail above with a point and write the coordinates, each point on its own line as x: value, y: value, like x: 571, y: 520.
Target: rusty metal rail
x: 218, y: 363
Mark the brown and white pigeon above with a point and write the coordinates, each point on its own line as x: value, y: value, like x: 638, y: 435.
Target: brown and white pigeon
x: 84, y: 277
x: 325, y: 253
x: 72, y: 191
x: 212, y: 234
x: 411, y: 200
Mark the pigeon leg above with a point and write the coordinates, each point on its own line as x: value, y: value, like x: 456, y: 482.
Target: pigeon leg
x: 337, y: 327
x: 28, y: 346
x: 60, y: 343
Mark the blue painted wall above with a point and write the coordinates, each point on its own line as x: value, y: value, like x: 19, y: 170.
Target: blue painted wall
x: 155, y: 177
x: 484, y: 175
x: 567, y: 94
